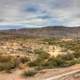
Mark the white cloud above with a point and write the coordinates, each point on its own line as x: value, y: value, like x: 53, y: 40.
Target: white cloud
x: 65, y: 11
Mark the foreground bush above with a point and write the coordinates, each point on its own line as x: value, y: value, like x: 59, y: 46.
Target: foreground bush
x: 5, y: 58
x: 7, y: 66
x: 29, y: 73
x: 8, y: 63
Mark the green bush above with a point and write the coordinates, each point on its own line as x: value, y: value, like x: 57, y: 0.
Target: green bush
x: 7, y: 63
x: 38, y: 62
x: 51, y: 41
x: 76, y: 54
x: 7, y: 66
x: 29, y: 73
x: 67, y: 56
x: 41, y: 53
x: 56, y: 62
x: 24, y: 59
x: 42, y: 56
x: 60, y: 61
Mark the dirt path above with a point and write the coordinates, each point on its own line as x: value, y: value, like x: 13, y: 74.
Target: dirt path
x: 62, y: 75
x: 64, y: 72
x: 47, y: 74
x: 15, y: 75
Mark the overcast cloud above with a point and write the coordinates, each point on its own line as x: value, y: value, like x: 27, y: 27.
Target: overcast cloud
x: 38, y: 13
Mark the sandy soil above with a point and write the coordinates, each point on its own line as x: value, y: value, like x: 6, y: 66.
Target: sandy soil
x: 56, y: 51
x: 42, y: 75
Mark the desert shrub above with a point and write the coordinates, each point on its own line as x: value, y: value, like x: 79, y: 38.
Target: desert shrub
x: 24, y: 59
x: 37, y: 62
x: 41, y: 53
x: 60, y: 61
x: 7, y: 66
x: 42, y: 56
x: 76, y: 54
x: 5, y: 58
x: 71, y: 62
x: 12, y: 64
x: 73, y: 46
x: 67, y: 56
x: 65, y: 60
x: 8, y: 63
x: 50, y: 63
x: 50, y: 41
x: 77, y: 60
x: 29, y: 73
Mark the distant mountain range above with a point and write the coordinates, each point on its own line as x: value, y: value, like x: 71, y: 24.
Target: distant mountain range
x: 56, y: 31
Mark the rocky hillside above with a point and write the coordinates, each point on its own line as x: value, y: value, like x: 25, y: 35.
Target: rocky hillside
x: 60, y: 32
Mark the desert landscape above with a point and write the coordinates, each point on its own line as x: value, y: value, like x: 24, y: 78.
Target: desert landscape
x: 25, y: 56
x: 39, y: 39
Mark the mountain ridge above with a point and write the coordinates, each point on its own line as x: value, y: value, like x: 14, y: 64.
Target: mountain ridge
x: 59, y: 32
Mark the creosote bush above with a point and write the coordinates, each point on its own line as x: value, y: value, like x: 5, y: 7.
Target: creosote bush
x: 8, y: 63
x: 29, y: 73
x: 42, y: 56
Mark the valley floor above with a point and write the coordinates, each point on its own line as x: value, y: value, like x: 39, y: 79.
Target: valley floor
x: 51, y: 59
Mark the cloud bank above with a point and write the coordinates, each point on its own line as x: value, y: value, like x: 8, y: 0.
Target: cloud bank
x: 38, y: 13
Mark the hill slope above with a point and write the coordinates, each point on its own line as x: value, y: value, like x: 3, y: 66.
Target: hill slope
x: 60, y: 32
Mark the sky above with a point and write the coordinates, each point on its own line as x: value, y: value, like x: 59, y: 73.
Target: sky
x: 39, y: 13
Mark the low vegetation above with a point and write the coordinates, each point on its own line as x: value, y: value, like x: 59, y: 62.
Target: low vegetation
x: 8, y: 63
x: 26, y: 50
x: 64, y: 60
x: 29, y: 73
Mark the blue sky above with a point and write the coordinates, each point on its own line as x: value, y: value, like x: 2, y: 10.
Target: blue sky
x: 39, y: 13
